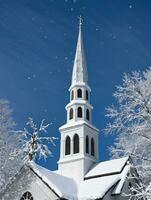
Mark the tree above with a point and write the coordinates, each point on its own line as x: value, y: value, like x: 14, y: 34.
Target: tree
x: 18, y: 148
x: 35, y: 145
x: 10, y: 157
x: 131, y: 122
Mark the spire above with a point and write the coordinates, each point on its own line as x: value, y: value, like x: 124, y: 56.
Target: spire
x: 79, y: 138
x: 79, y: 74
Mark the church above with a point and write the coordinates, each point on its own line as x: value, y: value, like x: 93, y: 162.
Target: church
x: 80, y: 175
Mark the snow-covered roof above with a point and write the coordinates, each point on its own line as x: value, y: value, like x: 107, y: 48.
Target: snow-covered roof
x: 107, y: 167
x: 103, y: 177
x: 65, y: 187
x: 97, y: 187
x: 98, y: 180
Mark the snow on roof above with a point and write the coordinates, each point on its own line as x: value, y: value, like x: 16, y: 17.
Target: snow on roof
x: 107, y: 167
x: 118, y: 188
x: 97, y: 182
x: 65, y: 187
x: 97, y: 187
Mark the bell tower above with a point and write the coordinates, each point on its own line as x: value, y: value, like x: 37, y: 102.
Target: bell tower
x: 79, y: 138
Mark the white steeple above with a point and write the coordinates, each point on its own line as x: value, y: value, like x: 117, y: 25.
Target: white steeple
x: 79, y: 74
x: 79, y: 138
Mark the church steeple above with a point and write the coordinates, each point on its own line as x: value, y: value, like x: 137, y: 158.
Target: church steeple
x: 79, y: 74
x: 79, y: 89
x: 79, y: 138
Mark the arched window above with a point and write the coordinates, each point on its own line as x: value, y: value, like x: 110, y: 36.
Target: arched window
x: 71, y: 113
x: 87, y: 145
x: 87, y: 114
x: 27, y: 196
x: 92, y: 147
x: 72, y: 95
x: 67, y: 145
x: 86, y: 95
x: 76, y: 144
x: 79, y: 112
x: 79, y: 93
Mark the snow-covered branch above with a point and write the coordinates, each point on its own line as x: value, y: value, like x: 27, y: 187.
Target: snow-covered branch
x: 130, y: 120
x: 10, y: 154
x: 35, y: 144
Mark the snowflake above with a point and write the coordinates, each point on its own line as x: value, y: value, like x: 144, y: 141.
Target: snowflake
x: 66, y: 58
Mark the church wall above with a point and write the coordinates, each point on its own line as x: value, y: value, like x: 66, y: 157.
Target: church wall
x: 71, y: 132
x: 92, y: 134
x: 28, y: 181
x: 73, y: 169
x: 77, y: 165
x: 110, y: 196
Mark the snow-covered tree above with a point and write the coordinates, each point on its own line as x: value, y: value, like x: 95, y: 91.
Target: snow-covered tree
x: 10, y: 157
x: 35, y: 144
x: 131, y: 122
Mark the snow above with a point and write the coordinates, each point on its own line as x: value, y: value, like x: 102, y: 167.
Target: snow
x: 34, y: 141
x: 94, y: 188
x: 118, y: 188
x: 107, y: 167
x: 91, y: 188
x: 130, y: 121
x: 10, y: 141
x: 97, y: 187
x: 63, y: 186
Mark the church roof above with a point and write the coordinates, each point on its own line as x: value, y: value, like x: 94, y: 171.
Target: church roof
x: 107, y: 167
x: 63, y: 186
x: 97, y: 187
x: 98, y: 181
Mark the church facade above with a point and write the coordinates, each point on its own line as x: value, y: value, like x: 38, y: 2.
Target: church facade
x: 80, y: 175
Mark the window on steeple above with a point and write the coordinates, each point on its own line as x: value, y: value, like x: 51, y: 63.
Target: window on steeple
x: 87, y: 145
x: 92, y: 147
x: 76, y: 144
x: 71, y: 113
x: 79, y: 114
x: 86, y: 95
x: 72, y: 95
x: 87, y: 114
x: 67, y: 145
x: 79, y: 93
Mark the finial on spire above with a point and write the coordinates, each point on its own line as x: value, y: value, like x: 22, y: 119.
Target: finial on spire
x: 80, y: 22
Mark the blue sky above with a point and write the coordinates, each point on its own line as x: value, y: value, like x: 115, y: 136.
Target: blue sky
x: 37, y: 46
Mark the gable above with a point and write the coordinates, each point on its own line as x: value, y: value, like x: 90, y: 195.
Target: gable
x: 25, y: 181
x: 63, y: 186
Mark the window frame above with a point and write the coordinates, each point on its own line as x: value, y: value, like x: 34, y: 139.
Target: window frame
x: 87, y: 95
x: 67, y: 146
x: 92, y: 147
x: 79, y: 93
x: 87, y: 114
x: 71, y: 114
x: 87, y: 144
x: 76, y: 144
x: 79, y: 112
